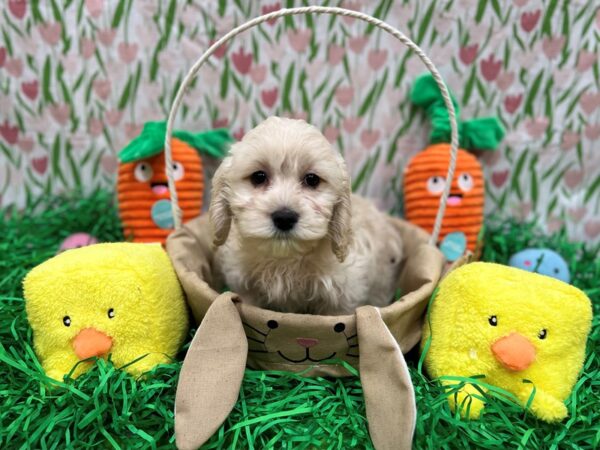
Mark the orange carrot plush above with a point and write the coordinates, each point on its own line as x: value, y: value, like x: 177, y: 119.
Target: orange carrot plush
x: 144, y: 201
x: 425, y: 175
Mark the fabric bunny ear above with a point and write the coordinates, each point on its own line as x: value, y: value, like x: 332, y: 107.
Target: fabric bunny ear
x: 388, y: 389
x: 211, y: 376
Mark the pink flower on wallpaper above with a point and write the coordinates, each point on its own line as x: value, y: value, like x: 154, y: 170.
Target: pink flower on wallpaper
x: 14, y: 66
x: 500, y: 177
x: 94, y: 7
x: 351, y: 124
x: 335, y: 54
x: 592, y: 229
x: 60, y: 112
x: 490, y: 68
x: 26, y: 144
x: 95, y: 126
x: 87, y: 47
x: 17, y: 8
x: 573, y: 178
x: 220, y: 123
x: 569, y: 140
x: 344, y: 95
x: 522, y: 210
x: 132, y: 130
x: 368, y: 138
x: 109, y: 164
x: 505, y: 80
x: 266, y: 9
x: 30, y: 89
x: 529, y: 19
x: 598, y: 19
x: 269, y: 97
x: 79, y: 140
x: 242, y: 61
x: 331, y: 133
x: 113, y: 117
x: 299, y: 39
x: 352, y: 5
x: 554, y: 224
x: 589, y: 101
x: 50, y: 32
x: 40, y: 165
x: 239, y: 134
x: 102, y: 88
x: 592, y: 131
x: 552, y: 46
x: 490, y: 159
x: 377, y: 58
x: 2, y: 56
x: 127, y: 52
x: 358, y: 43
x: 258, y: 74
x: 106, y: 36
x: 9, y: 132
x: 220, y: 51
x: 586, y: 60
x: 512, y: 102
x: 468, y: 54
x: 536, y: 127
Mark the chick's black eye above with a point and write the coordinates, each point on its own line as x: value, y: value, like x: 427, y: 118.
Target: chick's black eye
x: 543, y: 334
x: 272, y: 324
x: 339, y: 327
x: 67, y: 321
x: 257, y: 178
x: 111, y: 313
x: 493, y: 320
x: 311, y: 180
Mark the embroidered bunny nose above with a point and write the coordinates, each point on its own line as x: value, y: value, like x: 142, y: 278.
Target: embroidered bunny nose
x: 307, y: 342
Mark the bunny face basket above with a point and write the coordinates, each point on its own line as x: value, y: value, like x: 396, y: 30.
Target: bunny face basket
x: 233, y: 334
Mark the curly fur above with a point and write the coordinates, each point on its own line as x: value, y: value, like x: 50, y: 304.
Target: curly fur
x: 341, y: 254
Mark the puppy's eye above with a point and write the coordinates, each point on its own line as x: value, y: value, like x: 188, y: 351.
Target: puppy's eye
x: 272, y: 324
x: 339, y: 327
x: 257, y: 178
x: 493, y: 320
x: 311, y: 180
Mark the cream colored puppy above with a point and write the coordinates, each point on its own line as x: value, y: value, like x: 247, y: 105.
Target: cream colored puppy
x: 290, y: 236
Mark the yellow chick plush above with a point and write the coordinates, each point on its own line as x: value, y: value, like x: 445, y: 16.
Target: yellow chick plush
x: 122, y: 299
x: 508, y: 325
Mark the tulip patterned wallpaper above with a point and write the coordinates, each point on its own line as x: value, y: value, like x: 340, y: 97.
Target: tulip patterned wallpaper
x: 78, y: 78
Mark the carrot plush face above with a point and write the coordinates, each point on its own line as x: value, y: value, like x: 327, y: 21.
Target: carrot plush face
x: 142, y: 186
x: 424, y: 182
x: 143, y: 193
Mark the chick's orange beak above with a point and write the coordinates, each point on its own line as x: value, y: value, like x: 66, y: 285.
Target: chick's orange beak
x: 515, y: 352
x: 91, y: 342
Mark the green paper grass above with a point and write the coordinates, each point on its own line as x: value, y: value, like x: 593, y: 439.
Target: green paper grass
x: 107, y: 408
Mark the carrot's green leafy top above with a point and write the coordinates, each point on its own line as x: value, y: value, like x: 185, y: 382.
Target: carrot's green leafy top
x: 481, y: 134
x: 151, y: 142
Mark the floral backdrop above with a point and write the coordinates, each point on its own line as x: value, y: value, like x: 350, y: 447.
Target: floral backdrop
x: 79, y: 78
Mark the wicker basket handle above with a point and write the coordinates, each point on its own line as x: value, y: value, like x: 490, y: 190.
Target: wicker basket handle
x: 315, y: 10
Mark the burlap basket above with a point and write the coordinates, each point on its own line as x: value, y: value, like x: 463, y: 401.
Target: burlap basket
x: 233, y: 334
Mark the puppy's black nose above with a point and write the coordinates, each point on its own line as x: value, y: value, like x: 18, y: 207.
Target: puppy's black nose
x: 285, y: 219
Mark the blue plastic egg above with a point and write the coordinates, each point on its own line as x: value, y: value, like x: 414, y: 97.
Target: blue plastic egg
x: 543, y: 261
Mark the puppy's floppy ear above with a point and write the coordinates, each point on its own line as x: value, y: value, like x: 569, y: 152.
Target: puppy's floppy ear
x: 340, y: 225
x: 219, y: 210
